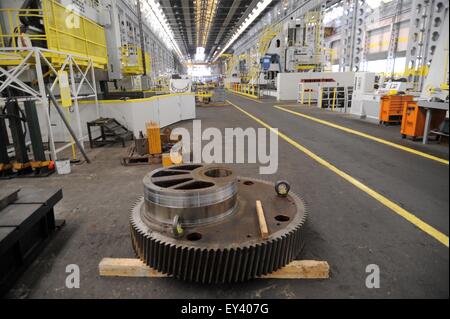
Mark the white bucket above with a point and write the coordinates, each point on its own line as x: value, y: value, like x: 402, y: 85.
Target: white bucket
x: 62, y: 167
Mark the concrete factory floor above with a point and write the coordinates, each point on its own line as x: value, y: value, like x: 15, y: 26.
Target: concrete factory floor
x: 346, y: 226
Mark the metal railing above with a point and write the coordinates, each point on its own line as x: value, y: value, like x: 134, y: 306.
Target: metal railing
x: 63, y: 31
x: 250, y: 90
x: 13, y: 18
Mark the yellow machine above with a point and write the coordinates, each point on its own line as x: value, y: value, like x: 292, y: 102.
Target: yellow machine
x: 87, y: 39
x: 203, y: 96
x: 132, y: 61
x: 204, y: 92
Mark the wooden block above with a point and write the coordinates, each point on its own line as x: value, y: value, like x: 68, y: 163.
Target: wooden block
x: 302, y: 269
x: 127, y: 267
x: 133, y: 267
x: 262, y: 220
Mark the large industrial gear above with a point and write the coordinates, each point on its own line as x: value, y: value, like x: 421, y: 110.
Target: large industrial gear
x: 199, y: 223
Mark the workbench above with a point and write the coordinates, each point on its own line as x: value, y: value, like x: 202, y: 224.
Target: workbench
x: 27, y: 223
x: 429, y: 107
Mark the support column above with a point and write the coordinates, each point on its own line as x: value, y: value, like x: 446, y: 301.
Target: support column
x: 75, y: 103
x: 426, y: 130
x: 44, y: 102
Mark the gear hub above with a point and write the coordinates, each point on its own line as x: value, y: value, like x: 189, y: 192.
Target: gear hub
x: 199, y: 223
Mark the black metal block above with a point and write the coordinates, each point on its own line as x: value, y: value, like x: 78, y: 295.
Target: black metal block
x: 26, y: 225
x: 7, y: 197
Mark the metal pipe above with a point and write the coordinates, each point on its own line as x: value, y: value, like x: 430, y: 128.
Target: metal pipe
x: 72, y: 133
x: 141, y: 34
x: 44, y: 101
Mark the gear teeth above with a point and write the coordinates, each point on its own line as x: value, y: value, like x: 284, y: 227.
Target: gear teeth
x: 244, y: 260
x: 227, y: 265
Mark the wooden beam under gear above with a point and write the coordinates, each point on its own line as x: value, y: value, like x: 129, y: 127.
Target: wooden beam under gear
x: 133, y: 267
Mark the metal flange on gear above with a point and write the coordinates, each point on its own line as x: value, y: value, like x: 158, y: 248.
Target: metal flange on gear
x: 199, y: 223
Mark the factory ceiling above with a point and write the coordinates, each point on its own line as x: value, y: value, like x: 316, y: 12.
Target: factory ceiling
x: 207, y: 23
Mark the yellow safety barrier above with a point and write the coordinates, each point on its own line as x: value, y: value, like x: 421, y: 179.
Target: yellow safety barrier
x: 250, y: 90
x: 205, y: 86
x: 309, y: 93
x: 65, y: 31
x: 304, y: 68
x: 415, y: 71
x: 419, y: 71
x: 334, y: 98
x: 146, y: 99
x: 158, y: 90
x: 16, y: 38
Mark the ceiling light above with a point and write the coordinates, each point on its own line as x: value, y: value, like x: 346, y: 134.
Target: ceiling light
x: 200, y: 54
x: 260, y: 7
x: 154, y: 8
x: 205, y: 11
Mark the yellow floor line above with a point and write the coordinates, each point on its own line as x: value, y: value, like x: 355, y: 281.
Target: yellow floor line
x: 245, y: 97
x: 370, y: 137
x: 433, y: 232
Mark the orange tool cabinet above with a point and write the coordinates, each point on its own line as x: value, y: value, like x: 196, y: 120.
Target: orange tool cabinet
x: 413, y: 121
x: 391, y: 108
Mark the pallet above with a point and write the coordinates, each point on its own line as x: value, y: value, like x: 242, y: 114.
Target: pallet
x: 133, y: 267
x: 133, y: 158
x: 142, y: 160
